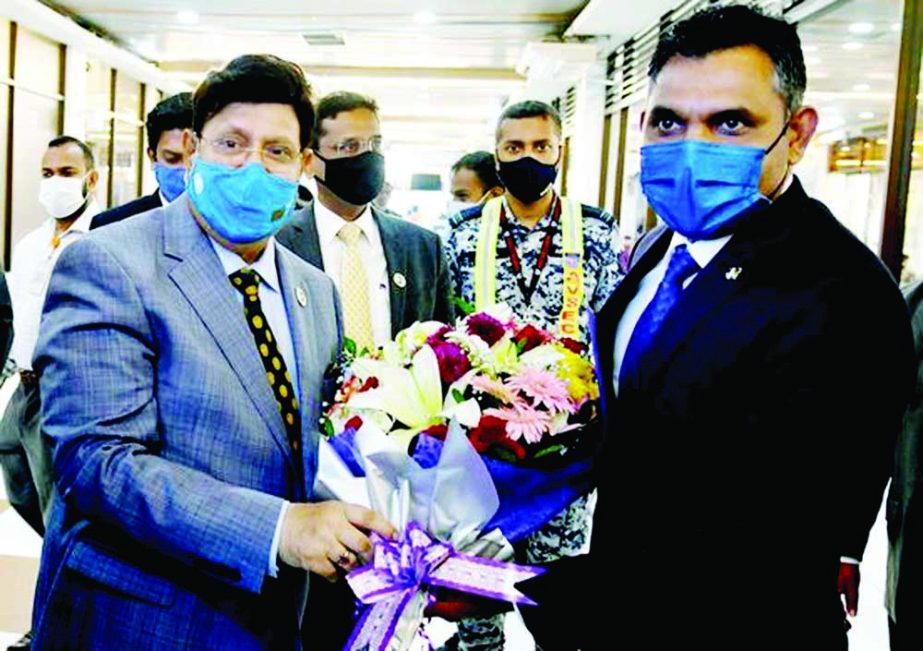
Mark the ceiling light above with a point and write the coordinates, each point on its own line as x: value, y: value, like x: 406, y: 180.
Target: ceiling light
x: 861, y: 28
x: 866, y: 115
x: 851, y: 45
x: 862, y: 88
x: 187, y: 17
x: 424, y: 18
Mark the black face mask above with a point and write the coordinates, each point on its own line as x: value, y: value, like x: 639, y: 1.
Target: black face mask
x: 357, y: 179
x: 526, y: 178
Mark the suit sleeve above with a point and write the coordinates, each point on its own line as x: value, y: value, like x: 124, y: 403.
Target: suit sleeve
x: 444, y: 309
x: 6, y: 320
x: 857, y: 392
x: 97, y: 355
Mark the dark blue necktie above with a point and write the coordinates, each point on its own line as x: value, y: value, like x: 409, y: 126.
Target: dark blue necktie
x: 680, y: 268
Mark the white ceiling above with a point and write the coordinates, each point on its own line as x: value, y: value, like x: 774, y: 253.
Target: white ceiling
x: 851, y: 54
x: 441, y: 70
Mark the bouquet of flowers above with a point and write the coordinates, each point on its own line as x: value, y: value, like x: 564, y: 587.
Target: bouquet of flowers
x: 467, y: 437
x: 519, y: 392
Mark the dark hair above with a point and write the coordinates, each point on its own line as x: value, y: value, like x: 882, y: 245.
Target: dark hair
x: 483, y: 165
x: 530, y: 109
x: 255, y: 79
x: 174, y: 112
x: 723, y: 28
x: 62, y: 141
x: 340, y: 102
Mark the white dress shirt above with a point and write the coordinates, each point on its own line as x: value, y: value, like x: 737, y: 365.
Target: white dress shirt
x: 373, y: 255
x: 702, y: 251
x: 34, y: 257
x: 273, y: 304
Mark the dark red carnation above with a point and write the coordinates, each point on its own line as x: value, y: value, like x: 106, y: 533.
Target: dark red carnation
x: 439, y: 335
x: 530, y: 337
x: 486, y: 327
x: 453, y: 362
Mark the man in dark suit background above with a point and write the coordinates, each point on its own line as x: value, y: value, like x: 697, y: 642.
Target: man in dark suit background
x: 165, y: 125
x: 389, y: 273
x: 904, y: 592
x: 403, y: 266
x: 755, y: 360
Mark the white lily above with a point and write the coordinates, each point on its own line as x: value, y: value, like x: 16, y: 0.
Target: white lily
x: 467, y: 412
x: 412, y: 396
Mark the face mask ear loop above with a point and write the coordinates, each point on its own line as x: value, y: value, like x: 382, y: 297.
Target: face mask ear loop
x: 772, y: 195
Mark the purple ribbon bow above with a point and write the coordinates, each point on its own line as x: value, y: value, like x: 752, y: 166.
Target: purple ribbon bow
x: 401, y: 569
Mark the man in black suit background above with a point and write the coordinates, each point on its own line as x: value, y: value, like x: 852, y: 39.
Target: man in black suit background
x: 389, y: 273
x: 165, y: 125
x: 756, y: 361
x: 904, y: 590
x: 401, y: 266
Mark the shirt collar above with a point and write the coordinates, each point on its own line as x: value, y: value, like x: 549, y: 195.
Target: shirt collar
x: 702, y: 251
x: 329, y: 223
x: 81, y: 224
x: 265, y: 265
x: 540, y: 225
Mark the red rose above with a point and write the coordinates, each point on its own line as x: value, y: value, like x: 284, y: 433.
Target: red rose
x: 530, y: 337
x: 353, y: 423
x: 371, y: 383
x: 491, y: 431
x: 573, y: 345
x: 437, y: 431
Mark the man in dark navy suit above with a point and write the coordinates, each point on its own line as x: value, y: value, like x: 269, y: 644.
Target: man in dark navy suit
x: 165, y: 125
x: 756, y: 361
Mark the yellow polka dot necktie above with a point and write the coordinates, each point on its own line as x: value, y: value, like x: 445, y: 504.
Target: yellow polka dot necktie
x: 247, y: 282
x: 354, y: 289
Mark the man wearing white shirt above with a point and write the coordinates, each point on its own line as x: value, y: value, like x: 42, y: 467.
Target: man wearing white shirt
x: 69, y: 178
x: 389, y: 273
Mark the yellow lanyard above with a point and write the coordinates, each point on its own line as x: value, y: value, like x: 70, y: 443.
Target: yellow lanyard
x: 485, y: 262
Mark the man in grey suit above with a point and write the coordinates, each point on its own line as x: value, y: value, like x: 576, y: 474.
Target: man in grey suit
x: 390, y: 273
x: 182, y: 356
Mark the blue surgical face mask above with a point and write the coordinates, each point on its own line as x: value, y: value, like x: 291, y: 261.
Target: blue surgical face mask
x: 703, y: 189
x: 171, y: 179
x: 242, y: 204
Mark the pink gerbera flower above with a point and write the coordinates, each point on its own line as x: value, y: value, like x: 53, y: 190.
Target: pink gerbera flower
x: 493, y: 388
x: 544, y: 387
x: 522, y: 421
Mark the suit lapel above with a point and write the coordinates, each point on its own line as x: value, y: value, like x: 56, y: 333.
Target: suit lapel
x: 307, y: 242
x: 655, y: 245
x: 199, y: 276
x: 712, y: 286
x: 396, y: 260
x: 301, y: 324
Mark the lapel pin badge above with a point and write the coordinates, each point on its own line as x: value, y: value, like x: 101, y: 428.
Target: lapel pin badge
x: 301, y: 296
x: 733, y: 273
x: 399, y: 279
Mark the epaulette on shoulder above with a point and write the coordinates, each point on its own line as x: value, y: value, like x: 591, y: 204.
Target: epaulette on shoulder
x: 459, y: 218
x: 592, y: 212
